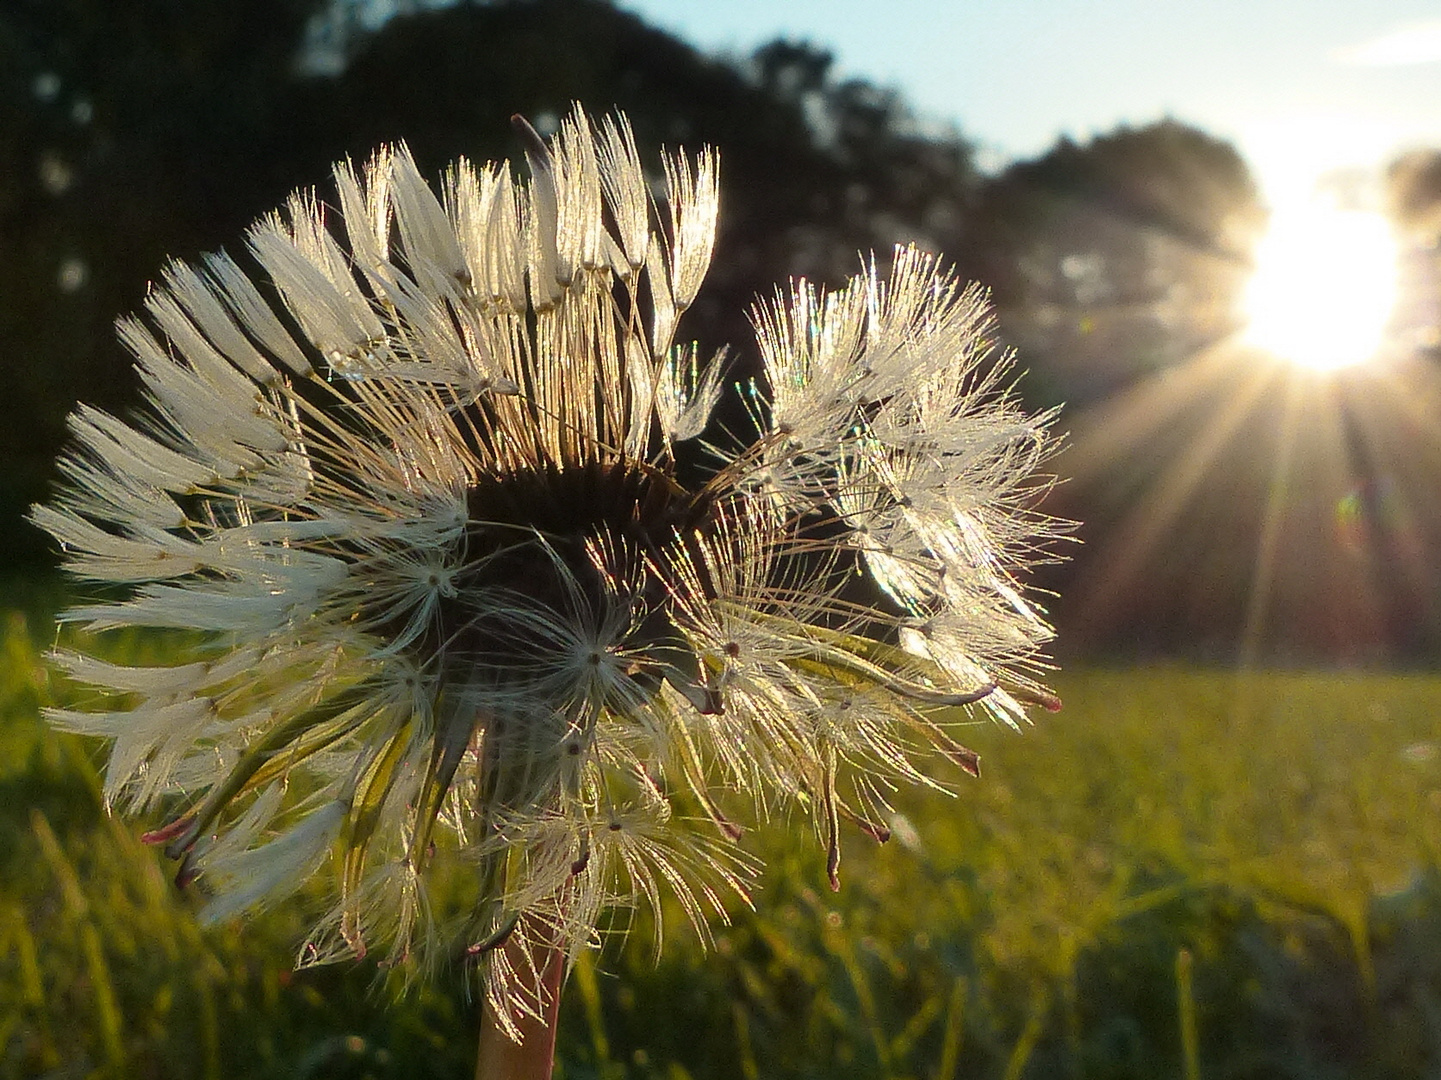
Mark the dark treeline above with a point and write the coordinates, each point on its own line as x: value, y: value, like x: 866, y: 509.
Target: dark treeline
x: 1115, y: 259
x: 132, y: 133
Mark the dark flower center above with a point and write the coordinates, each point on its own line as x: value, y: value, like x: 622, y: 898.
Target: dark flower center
x: 585, y: 546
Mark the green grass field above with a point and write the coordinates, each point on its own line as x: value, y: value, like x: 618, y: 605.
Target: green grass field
x: 1185, y: 873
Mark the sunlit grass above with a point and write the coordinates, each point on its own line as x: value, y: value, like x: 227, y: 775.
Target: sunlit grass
x: 1263, y: 847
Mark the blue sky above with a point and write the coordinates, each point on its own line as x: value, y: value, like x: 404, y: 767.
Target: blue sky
x: 1298, y: 85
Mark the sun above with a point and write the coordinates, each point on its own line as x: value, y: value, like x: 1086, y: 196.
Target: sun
x: 1325, y: 284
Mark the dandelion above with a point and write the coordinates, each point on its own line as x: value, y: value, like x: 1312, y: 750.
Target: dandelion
x: 478, y: 576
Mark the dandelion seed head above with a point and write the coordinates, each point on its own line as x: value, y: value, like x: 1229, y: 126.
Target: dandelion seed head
x: 475, y: 582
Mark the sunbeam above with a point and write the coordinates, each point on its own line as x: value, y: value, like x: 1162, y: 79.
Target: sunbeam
x: 1174, y: 430
x: 1257, y: 463
x: 1247, y: 511
x: 1258, y: 602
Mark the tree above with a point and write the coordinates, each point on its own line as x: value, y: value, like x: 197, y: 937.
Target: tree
x: 136, y: 132
x: 812, y: 170
x: 130, y: 132
x: 1413, y: 184
x: 1117, y: 257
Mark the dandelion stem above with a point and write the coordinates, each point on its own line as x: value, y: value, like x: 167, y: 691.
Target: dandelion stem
x: 500, y: 1056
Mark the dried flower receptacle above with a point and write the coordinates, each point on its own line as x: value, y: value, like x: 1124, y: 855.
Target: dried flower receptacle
x: 478, y: 577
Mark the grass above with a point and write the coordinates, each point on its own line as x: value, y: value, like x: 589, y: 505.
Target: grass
x: 1185, y: 873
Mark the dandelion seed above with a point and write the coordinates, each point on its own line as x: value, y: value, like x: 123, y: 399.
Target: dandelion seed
x: 474, y: 583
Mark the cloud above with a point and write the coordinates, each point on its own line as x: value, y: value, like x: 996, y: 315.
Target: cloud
x: 1418, y: 43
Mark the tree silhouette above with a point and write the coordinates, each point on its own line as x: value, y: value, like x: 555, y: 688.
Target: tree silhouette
x: 1116, y: 257
x: 135, y: 132
x: 812, y: 170
x: 129, y: 132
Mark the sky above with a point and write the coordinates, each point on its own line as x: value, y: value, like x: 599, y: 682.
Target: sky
x: 1301, y: 86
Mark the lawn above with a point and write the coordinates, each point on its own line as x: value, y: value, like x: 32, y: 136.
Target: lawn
x: 1186, y: 873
